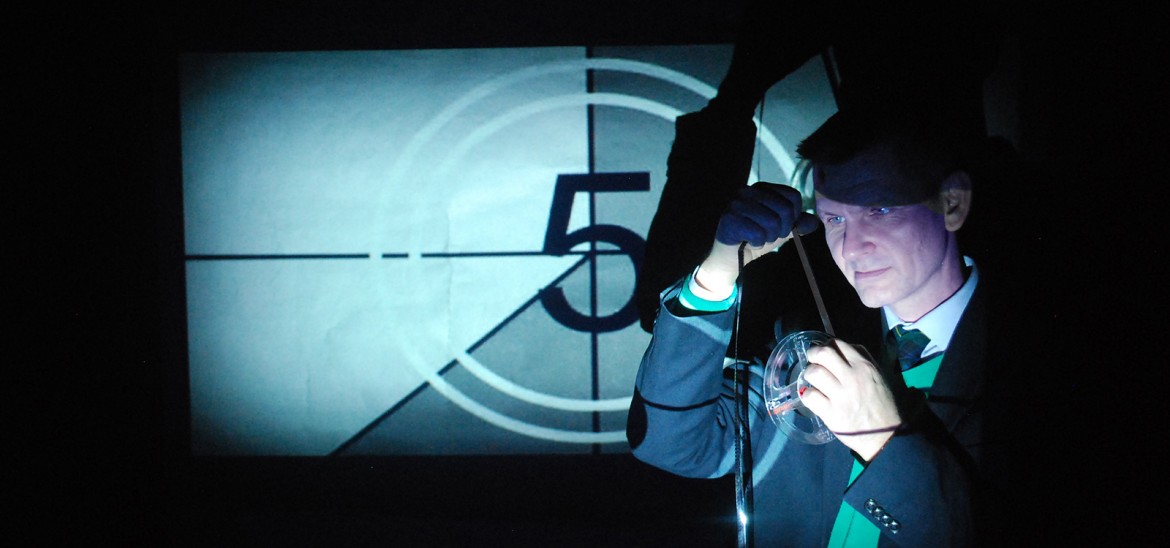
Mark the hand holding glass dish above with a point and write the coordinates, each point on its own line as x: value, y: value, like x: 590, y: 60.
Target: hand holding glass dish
x: 784, y: 383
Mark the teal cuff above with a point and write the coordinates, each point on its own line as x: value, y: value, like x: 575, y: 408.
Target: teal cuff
x: 694, y: 302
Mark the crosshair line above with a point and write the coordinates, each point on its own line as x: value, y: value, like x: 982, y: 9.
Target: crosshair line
x: 350, y: 256
x: 441, y: 372
x: 278, y: 256
x: 472, y: 254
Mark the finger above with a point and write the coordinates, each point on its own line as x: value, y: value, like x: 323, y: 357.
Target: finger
x: 806, y: 223
x: 747, y: 220
x: 777, y: 203
x: 816, y: 401
x: 782, y: 197
x: 822, y: 379
x: 737, y: 226
x: 760, y: 213
x: 765, y: 223
x: 789, y: 202
x: 772, y: 196
x: 830, y: 357
x: 855, y: 354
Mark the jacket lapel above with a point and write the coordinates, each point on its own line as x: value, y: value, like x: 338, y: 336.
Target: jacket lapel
x: 961, y: 376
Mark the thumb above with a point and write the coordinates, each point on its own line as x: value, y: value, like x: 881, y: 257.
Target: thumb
x: 806, y: 223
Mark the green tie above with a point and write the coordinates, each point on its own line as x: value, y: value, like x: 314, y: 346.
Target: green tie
x: 909, y: 344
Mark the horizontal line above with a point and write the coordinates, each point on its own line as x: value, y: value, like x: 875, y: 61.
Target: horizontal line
x: 483, y: 254
x: 347, y: 256
x: 515, y: 254
x: 277, y: 257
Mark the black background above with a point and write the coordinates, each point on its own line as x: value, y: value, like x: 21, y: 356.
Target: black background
x: 98, y: 405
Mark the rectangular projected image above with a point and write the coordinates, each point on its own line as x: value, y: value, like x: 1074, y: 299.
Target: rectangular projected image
x: 432, y: 252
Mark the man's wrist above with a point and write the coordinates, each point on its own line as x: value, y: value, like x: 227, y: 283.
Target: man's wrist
x: 695, y: 297
x: 712, y: 284
x: 873, y: 446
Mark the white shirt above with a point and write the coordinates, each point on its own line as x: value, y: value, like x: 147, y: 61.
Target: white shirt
x: 939, y: 324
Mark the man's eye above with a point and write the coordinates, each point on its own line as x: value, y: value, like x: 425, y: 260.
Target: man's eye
x: 836, y: 220
x: 879, y: 211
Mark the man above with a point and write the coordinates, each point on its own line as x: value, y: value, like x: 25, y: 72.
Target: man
x: 923, y: 448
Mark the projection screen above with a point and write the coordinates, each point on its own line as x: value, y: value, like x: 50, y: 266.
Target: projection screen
x: 432, y: 252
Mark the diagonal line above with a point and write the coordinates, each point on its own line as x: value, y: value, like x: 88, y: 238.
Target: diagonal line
x: 419, y: 390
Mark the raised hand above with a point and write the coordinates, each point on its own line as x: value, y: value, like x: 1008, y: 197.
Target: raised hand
x: 763, y: 215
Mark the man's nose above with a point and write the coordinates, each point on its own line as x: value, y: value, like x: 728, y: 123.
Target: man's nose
x: 856, y: 243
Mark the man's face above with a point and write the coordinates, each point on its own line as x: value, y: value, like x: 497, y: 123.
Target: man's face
x: 893, y: 256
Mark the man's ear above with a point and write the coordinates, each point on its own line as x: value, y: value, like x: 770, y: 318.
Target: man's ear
x: 955, y: 196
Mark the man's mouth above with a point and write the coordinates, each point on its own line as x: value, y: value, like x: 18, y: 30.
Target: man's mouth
x: 860, y: 275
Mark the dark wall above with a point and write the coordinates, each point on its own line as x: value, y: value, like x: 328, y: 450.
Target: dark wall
x: 94, y: 197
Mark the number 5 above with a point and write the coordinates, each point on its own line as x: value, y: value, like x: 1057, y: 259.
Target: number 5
x: 559, y: 241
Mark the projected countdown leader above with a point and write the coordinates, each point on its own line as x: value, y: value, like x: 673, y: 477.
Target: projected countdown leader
x: 560, y: 241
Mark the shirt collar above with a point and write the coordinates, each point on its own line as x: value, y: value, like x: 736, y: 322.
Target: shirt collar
x: 939, y: 324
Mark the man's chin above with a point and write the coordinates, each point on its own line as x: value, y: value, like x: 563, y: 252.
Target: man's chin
x: 873, y: 298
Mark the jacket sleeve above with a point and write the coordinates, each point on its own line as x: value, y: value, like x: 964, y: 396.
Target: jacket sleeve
x: 943, y: 478
x: 681, y: 417
x: 919, y: 490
